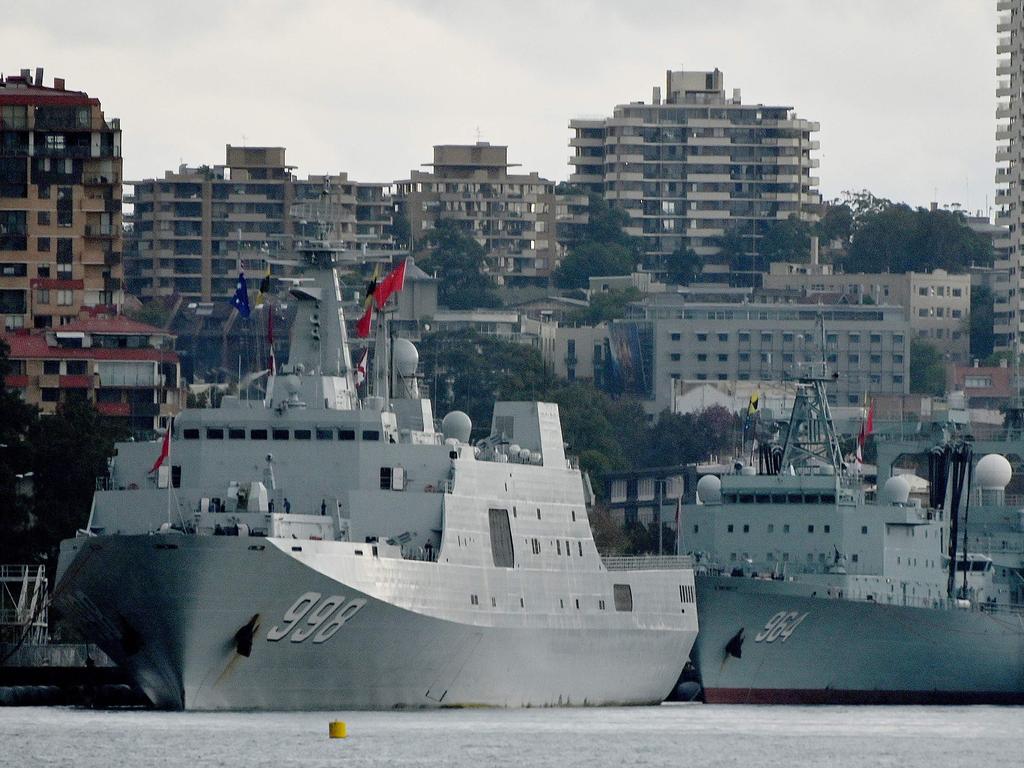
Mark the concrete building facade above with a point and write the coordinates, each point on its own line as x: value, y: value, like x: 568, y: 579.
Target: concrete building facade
x: 690, y: 165
x: 937, y: 303
x: 512, y: 215
x: 1009, y: 306
x: 671, y: 340
x: 60, y: 204
x: 193, y: 230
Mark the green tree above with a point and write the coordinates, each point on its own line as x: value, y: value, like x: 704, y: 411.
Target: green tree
x: 981, y: 322
x: 16, y: 419
x: 898, y: 238
x: 927, y: 371
x: 603, y: 249
x: 606, y: 306
x: 69, y: 451
x: 786, y: 240
x: 836, y: 223
x: 460, y: 262
x: 683, y: 266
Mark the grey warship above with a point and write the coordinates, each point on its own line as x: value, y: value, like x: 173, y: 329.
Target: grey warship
x: 810, y: 594
x: 317, y: 549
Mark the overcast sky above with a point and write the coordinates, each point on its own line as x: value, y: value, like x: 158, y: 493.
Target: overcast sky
x: 904, y: 89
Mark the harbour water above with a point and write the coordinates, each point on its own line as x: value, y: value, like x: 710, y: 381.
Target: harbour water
x: 669, y: 735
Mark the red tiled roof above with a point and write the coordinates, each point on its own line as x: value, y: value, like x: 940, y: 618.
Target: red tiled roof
x: 26, y: 346
x: 118, y: 324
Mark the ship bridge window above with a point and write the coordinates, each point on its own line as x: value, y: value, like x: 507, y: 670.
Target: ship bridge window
x: 811, y: 498
x: 623, y: 596
x: 346, y: 434
x: 236, y: 434
x: 810, y: 529
x: 190, y: 434
x: 279, y: 434
x: 257, y: 434
x: 828, y: 498
x: 746, y: 498
x: 303, y: 434
x: 795, y: 498
x: 371, y: 435
x: 778, y: 498
x: 763, y: 498
x: 214, y: 433
x: 785, y: 528
x: 324, y: 434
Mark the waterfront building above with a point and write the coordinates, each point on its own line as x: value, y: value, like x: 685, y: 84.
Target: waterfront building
x: 512, y: 215
x: 127, y: 370
x: 697, y: 162
x: 60, y: 204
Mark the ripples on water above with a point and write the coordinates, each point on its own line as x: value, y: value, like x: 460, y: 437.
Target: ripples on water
x: 676, y: 735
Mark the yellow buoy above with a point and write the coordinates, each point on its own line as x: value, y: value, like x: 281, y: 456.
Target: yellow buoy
x: 337, y: 729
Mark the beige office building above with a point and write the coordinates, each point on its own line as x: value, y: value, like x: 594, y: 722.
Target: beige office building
x: 695, y: 162
x: 512, y: 215
x: 937, y: 303
x: 60, y: 204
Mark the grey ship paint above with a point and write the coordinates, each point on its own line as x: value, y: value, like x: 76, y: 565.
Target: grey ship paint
x: 808, y: 594
x: 318, y: 551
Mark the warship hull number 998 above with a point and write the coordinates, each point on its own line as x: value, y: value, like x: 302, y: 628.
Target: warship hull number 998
x: 326, y: 617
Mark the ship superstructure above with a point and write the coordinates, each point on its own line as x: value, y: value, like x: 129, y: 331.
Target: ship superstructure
x: 319, y: 549
x: 808, y: 593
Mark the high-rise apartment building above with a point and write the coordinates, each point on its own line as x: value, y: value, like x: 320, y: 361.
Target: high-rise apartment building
x: 1009, y: 247
x: 60, y: 204
x: 697, y: 162
x: 513, y: 216
x: 193, y: 230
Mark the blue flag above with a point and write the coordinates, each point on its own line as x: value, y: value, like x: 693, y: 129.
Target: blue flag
x: 240, y: 300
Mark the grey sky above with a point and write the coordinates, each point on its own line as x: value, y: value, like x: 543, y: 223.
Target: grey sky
x: 904, y: 89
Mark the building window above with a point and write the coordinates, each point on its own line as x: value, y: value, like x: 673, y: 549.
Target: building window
x: 50, y: 394
x: 675, y: 357
x: 51, y: 367
x: 42, y: 295
x: 65, y: 298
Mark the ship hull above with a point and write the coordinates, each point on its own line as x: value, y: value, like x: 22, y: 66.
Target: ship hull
x: 172, y: 609
x: 802, y: 649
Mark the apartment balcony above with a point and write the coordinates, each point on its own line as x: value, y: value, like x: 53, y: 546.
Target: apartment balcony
x: 18, y: 380
x: 76, y: 382
x: 99, y: 231
x: 1004, y: 46
x: 586, y: 141
x: 585, y: 160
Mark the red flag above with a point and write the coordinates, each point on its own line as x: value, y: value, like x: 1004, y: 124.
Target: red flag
x: 393, y: 283
x: 869, y: 425
x: 165, y: 451
x: 363, y: 326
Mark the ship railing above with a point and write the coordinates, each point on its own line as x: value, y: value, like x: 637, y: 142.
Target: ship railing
x: 647, y: 562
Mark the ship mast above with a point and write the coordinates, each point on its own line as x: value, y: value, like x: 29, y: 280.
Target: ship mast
x: 811, y: 441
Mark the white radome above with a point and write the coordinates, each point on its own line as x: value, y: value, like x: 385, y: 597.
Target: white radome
x: 896, y: 490
x: 709, y: 489
x: 993, y: 472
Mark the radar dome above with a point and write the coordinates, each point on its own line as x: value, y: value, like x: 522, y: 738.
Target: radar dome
x: 896, y: 490
x: 709, y: 489
x: 993, y: 472
x: 406, y: 357
x: 457, y: 425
